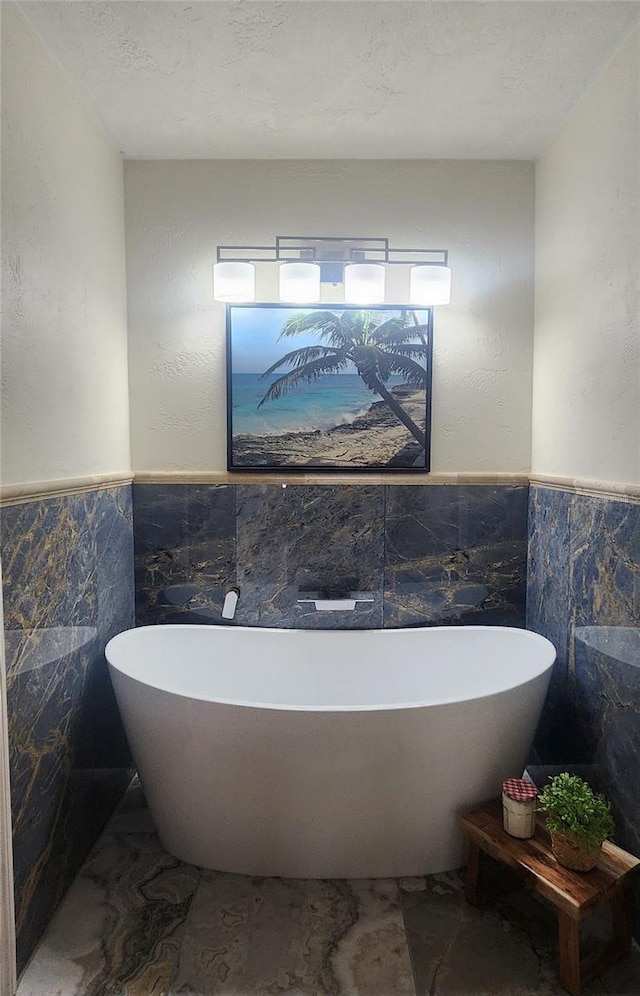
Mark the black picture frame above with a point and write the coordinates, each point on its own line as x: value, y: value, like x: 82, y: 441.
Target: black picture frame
x: 328, y: 424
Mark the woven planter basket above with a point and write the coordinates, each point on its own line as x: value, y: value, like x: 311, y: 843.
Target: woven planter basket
x: 571, y: 854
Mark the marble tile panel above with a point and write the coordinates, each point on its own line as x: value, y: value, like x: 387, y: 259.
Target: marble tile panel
x: 605, y: 556
x: 49, y: 571
x: 604, y: 677
x: 51, y: 844
x: 115, y: 566
x: 605, y: 694
x: 312, y: 537
x: 455, y: 555
x: 549, y: 610
x: 548, y: 567
x: 184, y: 551
x: 160, y: 517
x: 100, y: 740
x: 252, y: 935
x: 86, y: 802
x: 68, y: 586
x: 50, y: 604
x: 588, y: 603
x: 42, y: 704
x: 119, y: 930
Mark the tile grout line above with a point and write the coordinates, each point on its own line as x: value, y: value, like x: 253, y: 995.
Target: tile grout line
x: 187, y: 920
x: 406, y: 939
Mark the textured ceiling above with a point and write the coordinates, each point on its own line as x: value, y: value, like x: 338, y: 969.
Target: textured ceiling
x: 332, y: 79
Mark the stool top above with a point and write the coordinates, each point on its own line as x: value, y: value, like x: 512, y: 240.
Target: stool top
x: 576, y: 893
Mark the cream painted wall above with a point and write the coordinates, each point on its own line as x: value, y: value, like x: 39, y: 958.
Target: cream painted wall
x: 64, y: 346
x: 586, y: 399
x: 177, y: 212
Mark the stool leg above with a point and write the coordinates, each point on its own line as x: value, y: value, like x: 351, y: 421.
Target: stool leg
x: 474, y: 874
x: 620, y: 944
x: 569, y: 950
x: 621, y: 922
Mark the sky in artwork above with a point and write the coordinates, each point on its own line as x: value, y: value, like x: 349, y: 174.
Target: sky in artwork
x: 254, y: 336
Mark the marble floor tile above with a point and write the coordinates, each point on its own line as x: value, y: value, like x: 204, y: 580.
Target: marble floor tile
x: 258, y: 936
x: 506, y: 948
x: 138, y: 922
x: 119, y: 930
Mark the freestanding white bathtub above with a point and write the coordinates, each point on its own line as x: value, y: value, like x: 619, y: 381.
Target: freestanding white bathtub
x: 325, y: 754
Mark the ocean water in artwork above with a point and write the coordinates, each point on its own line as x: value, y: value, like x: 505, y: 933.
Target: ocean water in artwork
x: 328, y: 402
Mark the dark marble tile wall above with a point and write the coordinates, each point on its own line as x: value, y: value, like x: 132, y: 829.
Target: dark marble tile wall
x: 429, y: 555
x: 184, y: 551
x: 68, y: 587
x: 548, y: 608
x: 584, y: 594
x: 455, y: 554
x: 308, y: 537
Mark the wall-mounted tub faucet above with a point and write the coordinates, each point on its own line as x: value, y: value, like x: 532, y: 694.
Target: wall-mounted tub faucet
x: 334, y: 601
x: 230, y: 602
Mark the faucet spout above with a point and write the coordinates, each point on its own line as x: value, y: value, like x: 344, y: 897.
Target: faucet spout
x: 230, y: 602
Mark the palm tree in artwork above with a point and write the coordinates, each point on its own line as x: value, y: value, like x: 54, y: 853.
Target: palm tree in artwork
x: 375, y: 346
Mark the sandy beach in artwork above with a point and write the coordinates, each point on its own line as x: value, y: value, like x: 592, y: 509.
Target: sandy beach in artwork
x: 375, y: 439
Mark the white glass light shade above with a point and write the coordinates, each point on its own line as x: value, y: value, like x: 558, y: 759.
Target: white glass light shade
x: 364, y: 283
x: 430, y: 284
x: 234, y: 281
x: 300, y: 282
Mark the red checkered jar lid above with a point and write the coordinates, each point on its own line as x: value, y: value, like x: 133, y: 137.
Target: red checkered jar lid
x: 519, y: 789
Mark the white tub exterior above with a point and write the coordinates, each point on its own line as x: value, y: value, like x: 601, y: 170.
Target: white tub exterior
x: 325, y: 754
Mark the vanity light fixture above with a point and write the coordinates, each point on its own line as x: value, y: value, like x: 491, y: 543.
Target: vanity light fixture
x: 307, y: 261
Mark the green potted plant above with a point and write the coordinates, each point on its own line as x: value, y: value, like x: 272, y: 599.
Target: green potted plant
x: 578, y: 819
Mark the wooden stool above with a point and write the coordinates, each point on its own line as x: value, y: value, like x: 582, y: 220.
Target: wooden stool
x: 573, y: 894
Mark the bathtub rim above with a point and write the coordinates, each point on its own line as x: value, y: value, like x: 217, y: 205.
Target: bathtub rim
x: 542, y: 673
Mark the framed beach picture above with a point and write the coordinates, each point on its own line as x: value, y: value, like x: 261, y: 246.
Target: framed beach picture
x: 328, y: 387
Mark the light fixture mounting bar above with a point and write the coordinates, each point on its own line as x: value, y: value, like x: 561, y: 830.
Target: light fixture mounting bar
x: 246, y: 254
x: 331, y: 248
x: 421, y: 257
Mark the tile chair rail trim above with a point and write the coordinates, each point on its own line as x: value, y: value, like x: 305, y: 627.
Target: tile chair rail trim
x: 20, y: 494
x: 282, y: 477
x: 619, y: 490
